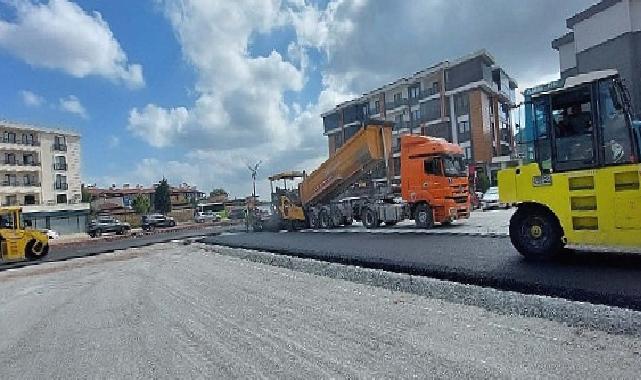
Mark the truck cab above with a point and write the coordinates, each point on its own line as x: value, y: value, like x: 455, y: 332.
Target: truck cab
x: 580, y: 183
x: 434, y: 180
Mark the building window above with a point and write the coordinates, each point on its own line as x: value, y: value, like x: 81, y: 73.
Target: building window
x: 416, y: 115
x: 60, y: 143
x: 398, y: 122
x: 61, y: 198
x: 414, y: 91
x: 463, y: 127
x: 377, y: 106
x: 397, y: 97
x: 462, y: 104
x: 467, y: 151
x: 9, y: 159
x: 28, y: 139
x: 29, y: 180
x: 29, y: 199
x: 61, y: 182
x: 11, y: 200
x: 365, y: 111
x: 10, y: 180
x: 60, y: 163
x: 9, y: 137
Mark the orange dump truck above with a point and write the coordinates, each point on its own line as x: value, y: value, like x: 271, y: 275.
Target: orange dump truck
x: 355, y: 183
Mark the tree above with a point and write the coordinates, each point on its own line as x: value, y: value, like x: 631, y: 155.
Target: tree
x: 141, y: 204
x: 482, y: 182
x: 162, y: 197
x: 218, y: 192
x: 86, y: 195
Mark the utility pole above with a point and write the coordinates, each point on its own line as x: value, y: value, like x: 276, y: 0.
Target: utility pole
x: 253, y: 170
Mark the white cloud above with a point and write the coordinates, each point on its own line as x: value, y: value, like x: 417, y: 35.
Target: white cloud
x: 60, y: 35
x: 72, y: 105
x: 31, y: 99
x: 158, y: 126
x: 240, y: 114
x: 113, y: 142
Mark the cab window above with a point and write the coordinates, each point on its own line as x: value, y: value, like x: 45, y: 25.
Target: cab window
x: 573, y: 129
x: 433, y: 166
x: 617, y: 147
x: 7, y: 220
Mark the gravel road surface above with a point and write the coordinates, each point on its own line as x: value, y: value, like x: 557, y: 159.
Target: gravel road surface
x: 176, y: 311
x: 611, y: 279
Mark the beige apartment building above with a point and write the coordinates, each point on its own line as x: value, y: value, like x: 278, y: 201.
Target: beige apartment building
x: 466, y: 101
x: 40, y: 170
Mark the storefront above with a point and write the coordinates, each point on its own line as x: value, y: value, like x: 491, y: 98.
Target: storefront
x: 64, y: 219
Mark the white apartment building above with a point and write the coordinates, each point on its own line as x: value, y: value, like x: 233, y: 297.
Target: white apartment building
x: 40, y: 170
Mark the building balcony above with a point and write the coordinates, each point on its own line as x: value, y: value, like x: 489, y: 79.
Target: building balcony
x: 426, y: 93
x: 61, y: 186
x: 60, y: 147
x: 21, y: 142
x: 390, y: 106
x: 59, y: 166
x: 30, y: 184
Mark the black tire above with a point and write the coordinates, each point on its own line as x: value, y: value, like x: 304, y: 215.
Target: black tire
x: 35, y: 250
x: 348, y: 222
x: 390, y: 224
x: 172, y: 224
x: 446, y: 223
x: 324, y: 220
x: 423, y: 216
x: 536, y: 232
x: 120, y: 231
x: 370, y: 219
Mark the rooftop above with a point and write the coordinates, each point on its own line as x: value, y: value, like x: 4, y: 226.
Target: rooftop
x: 34, y: 128
x: 484, y: 54
x: 586, y: 14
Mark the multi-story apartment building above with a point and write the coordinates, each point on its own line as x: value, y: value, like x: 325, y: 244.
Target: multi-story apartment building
x: 40, y: 170
x: 605, y: 36
x: 466, y: 101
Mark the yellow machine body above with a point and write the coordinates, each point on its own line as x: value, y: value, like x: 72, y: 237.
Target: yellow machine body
x: 17, y: 243
x: 597, y: 207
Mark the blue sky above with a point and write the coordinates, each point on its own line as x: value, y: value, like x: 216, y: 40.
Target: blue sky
x: 195, y: 90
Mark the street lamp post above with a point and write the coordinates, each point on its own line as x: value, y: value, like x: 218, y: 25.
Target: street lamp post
x: 253, y: 170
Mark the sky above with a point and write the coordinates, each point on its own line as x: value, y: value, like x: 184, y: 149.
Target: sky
x: 197, y: 90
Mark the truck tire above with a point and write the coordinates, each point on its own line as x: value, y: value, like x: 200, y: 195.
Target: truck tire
x: 35, y: 250
x: 390, y: 224
x: 536, y: 232
x: 424, y: 216
x: 370, y: 219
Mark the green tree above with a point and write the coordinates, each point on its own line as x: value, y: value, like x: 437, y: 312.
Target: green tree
x: 162, y: 197
x: 86, y: 196
x: 141, y: 204
x: 482, y: 183
x: 218, y: 192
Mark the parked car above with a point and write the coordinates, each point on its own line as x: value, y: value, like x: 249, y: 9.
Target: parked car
x: 206, y: 216
x: 149, y: 222
x: 107, y: 223
x: 490, y: 199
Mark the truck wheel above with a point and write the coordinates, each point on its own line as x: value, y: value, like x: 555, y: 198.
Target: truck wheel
x: 35, y: 250
x: 424, y: 217
x: 390, y: 224
x: 536, y: 232
x: 347, y: 222
x: 370, y: 219
x: 324, y: 219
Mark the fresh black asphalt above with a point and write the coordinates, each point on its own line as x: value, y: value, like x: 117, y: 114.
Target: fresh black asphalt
x: 604, y: 278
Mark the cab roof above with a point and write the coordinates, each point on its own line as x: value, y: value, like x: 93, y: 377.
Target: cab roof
x: 577, y: 80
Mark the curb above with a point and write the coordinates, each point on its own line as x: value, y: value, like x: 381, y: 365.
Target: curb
x: 576, y: 314
x: 139, y: 234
